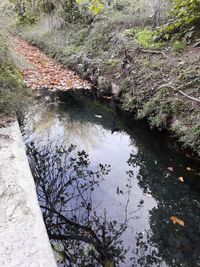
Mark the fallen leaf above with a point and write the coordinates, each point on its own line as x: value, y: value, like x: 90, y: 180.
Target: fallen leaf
x: 171, y: 169
x: 181, y: 179
x: 188, y: 169
x: 176, y: 220
x: 108, y: 97
x: 43, y: 72
x: 98, y: 116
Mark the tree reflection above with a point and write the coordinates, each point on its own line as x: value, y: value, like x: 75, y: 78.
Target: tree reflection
x: 81, y: 235
x: 65, y: 184
x: 176, y: 245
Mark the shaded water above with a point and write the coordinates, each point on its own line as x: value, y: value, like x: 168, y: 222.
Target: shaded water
x: 118, y: 214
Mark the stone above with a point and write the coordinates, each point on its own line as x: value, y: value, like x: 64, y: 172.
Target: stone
x: 115, y: 89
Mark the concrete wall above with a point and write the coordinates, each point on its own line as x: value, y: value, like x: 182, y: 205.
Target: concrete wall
x: 23, y: 237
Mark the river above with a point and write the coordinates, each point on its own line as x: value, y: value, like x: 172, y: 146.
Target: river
x: 108, y: 186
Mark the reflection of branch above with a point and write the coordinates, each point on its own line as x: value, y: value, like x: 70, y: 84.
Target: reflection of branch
x: 72, y: 223
x: 72, y: 236
x: 65, y: 185
x: 88, y: 235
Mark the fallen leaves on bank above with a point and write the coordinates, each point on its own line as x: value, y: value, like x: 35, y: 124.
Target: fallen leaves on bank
x: 45, y: 73
x: 176, y: 220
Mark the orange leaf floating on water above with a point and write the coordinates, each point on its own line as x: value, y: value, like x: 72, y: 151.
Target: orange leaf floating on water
x: 176, y: 220
x: 188, y: 169
x: 171, y: 169
x: 181, y: 179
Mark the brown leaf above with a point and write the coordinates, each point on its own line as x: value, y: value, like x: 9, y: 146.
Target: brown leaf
x: 176, y: 220
x: 171, y: 169
x: 181, y: 179
x: 43, y: 72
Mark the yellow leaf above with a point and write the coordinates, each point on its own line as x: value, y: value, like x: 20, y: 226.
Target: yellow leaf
x: 181, y: 179
x: 171, y: 169
x: 188, y: 169
x: 176, y: 220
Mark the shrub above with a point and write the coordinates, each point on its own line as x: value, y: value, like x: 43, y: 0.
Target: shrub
x: 178, y: 46
x: 191, y: 137
x: 144, y: 37
x: 185, y: 22
x: 11, y: 84
x: 161, y: 108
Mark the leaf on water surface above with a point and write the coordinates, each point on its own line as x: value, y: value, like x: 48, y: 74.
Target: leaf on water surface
x: 98, y: 116
x: 108, y: 97
x: 181, y: 179
x: 171, y: 169
x: 176, y: 220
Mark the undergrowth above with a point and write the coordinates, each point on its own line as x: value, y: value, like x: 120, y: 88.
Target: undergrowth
x: 100, y: 50
x: 12, y: 93
x: 161, y: 108
x: 144, y: 37
x: 191, y: 137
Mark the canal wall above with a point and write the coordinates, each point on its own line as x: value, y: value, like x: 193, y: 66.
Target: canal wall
x: 23, y: 238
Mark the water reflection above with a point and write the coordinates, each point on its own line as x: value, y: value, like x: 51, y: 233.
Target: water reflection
x: 123, y: 219
x: 80, y: 234
x: 177, y: 245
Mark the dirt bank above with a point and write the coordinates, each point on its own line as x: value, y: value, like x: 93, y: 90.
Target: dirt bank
x: 160, y: 85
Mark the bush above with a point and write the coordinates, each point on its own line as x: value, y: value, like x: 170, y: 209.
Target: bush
x: 11, y: 84
x: 161, y: 108
x: 191, y: 138
x: 27, y: 18
x: 185, y: 22
x: 178, y: 46
x: 144, y: 37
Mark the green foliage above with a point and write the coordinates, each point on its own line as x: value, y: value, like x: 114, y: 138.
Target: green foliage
x: 191, y: 137
x: 95, y: 6
x: 11, y: 84
x: 160, y: 109
x: 178, y: 46
x: 144, y: 37
x: 186, y: 11
x: 27, y: 18
x: 186, y: 14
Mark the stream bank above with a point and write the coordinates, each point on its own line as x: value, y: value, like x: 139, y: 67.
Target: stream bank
x: 143, y: 81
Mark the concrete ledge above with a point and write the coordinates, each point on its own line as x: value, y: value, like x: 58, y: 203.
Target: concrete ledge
x: 23, y: 237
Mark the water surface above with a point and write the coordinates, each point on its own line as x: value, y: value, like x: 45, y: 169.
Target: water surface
x: 127, y: 205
